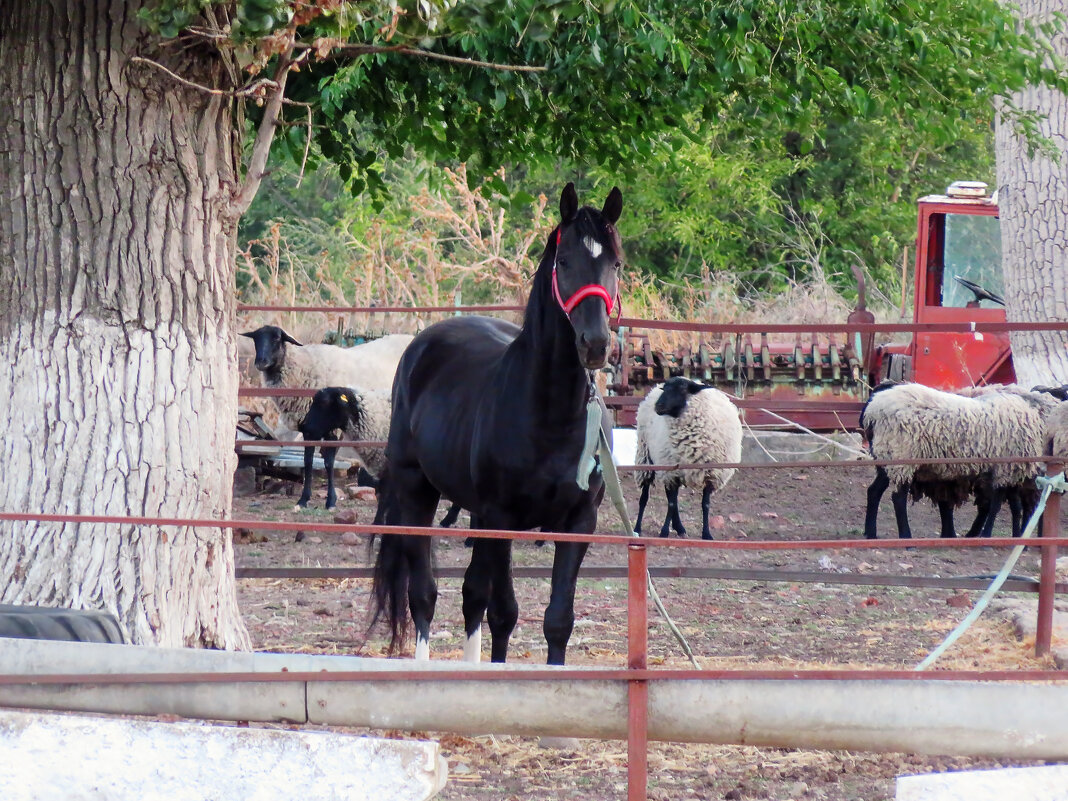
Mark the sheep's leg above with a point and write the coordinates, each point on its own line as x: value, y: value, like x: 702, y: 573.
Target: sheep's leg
x: 900, y: 499
x: 945, y: 515
x: 996, y: 495
x: 642, y: 501
x: 875, y: 494
x: 982, y: 511
x: 671, y: 490
x: 309, y: 461
x: 706, y: 532
x: 1015, y: 502
x: 451, y: 516
x: 328, y: 455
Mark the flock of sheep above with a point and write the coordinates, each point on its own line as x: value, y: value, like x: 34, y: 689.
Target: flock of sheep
x: 685, y: 422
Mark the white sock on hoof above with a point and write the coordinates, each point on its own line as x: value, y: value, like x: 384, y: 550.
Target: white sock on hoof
x: 422, y: 648
x: 473, y: 647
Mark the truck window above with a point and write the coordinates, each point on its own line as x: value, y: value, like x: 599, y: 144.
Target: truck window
x: 972, y: 251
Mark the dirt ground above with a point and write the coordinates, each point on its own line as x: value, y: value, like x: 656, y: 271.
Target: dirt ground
x: 729, y: 624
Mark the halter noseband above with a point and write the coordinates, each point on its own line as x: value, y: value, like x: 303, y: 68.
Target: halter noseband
x: 583, y: 292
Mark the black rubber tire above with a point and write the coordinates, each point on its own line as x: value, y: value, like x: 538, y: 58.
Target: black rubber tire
x: 69, y: 625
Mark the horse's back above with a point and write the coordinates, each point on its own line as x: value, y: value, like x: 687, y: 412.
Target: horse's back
x: 457, y: 349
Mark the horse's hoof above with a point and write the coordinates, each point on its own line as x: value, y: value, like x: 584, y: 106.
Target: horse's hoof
x: 664, y: 534
x: 706, y: 536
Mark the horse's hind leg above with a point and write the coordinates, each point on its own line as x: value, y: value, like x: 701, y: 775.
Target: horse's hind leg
x: 409, y: 499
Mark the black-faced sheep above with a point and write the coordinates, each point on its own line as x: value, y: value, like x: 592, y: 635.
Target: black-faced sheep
x: 352, y: 414
x: 344, y: 413
x: 684, y: 422
x: 912, y: 421
x: 369, y: 366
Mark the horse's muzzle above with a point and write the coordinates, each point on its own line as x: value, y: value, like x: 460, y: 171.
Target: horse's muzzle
x: 592, y: 350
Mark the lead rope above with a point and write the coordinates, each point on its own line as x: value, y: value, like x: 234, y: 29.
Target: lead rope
x: 611, y: 480
x: 1052, y: 484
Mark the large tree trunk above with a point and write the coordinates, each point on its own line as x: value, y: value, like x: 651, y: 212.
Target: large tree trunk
x: 117, y: 357
x: 1033, y: 201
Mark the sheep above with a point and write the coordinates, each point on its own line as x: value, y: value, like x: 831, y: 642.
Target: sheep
x: 358, y: 415
x: 912, y: 421
x: 1057, y: 432
x: 370, y: 366
x: 684, y: 422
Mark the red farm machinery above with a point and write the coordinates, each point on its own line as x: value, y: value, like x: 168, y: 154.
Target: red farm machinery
x: 819, y: 379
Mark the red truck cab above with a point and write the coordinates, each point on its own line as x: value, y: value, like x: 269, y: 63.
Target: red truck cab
x: 958, y: 278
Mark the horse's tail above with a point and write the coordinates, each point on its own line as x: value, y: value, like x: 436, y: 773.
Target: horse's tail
x: 390, y: 589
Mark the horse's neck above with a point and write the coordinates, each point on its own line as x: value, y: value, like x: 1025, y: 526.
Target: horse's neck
x: 545, y: 347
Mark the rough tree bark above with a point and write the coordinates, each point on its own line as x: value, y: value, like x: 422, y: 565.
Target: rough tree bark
x: 117, y: 346
x: 1033, y: 201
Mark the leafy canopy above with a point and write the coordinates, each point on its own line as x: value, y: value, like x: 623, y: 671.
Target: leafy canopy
x: 614, y: 84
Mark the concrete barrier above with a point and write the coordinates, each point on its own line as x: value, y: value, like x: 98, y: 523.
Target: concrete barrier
x: 1019, y: 720
x: 81, y: 758
x: 1044, y: 783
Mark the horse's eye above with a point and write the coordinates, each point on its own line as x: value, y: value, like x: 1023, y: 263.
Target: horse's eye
x: 617, y: 265
x: 562, y: 263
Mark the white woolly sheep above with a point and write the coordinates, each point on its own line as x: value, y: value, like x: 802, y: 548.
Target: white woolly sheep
x: 1057, y: 432
x: 912, y: 421
x: 684, y: 422
x: 370, y: 366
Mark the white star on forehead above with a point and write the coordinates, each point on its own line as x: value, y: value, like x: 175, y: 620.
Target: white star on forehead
x: 593, y: 246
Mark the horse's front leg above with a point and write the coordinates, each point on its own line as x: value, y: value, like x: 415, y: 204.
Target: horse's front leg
x: 560, y: 613
x: 490, y: 566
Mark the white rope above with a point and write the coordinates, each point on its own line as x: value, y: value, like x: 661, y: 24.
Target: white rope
x: 828, y: 440
x: 1048, y: 485
x: 611, y: 479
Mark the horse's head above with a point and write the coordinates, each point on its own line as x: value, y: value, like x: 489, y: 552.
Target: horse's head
x: 586, y: 268
x: 270, y: 346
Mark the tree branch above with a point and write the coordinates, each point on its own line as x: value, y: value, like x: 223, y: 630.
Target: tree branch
x: 261, y: 147
x: 353, y: 51
x: 254, y: 89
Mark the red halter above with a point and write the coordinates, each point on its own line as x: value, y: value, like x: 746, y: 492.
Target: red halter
x: 583, y: 292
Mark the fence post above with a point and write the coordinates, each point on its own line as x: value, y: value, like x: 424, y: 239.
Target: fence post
x: 1051, y: 526
x: 638, y: 691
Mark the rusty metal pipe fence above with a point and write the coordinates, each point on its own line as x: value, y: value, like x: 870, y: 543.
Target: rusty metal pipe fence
x: 636, y: 673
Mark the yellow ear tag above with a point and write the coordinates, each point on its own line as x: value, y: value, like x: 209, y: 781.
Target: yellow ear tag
x: 345, y: 398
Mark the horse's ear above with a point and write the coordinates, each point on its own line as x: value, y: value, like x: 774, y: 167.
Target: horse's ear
x: 613, y: 205
x: 568, y: 203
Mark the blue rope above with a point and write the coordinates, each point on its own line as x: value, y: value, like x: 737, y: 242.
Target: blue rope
x: 1052, y: 484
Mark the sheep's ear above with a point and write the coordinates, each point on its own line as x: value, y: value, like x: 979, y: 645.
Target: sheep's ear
x: 249, y: 334
x: 613, y: 205
x: 287, y: 338
x: 568, y: 203
x: 693, y: 387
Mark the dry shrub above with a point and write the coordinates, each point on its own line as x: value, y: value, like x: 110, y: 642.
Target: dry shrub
x: 464, y: 237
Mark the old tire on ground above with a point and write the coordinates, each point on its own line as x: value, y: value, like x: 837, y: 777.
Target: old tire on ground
x: 71, y: 625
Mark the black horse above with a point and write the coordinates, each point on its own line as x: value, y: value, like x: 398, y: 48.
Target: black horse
x: 494, y: 417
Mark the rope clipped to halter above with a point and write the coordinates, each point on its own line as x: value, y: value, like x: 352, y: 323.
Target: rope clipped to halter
x: 583, y: 292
